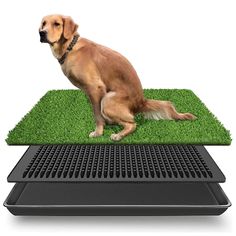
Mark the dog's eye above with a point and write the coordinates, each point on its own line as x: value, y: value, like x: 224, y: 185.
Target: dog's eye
x: 56, y: 24
x: 44, y: 23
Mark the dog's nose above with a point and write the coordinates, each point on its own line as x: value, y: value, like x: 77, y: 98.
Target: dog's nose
x: 43, y: 36
x: 42, y: 33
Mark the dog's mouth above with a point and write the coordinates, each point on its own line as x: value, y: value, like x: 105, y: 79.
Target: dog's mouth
x: 43, y: 40
x: 43, y: 37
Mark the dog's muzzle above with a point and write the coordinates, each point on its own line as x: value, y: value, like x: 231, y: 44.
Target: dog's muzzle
x: 43, y: 36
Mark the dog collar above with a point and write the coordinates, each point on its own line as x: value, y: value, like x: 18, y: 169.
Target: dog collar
x: 70, y: 47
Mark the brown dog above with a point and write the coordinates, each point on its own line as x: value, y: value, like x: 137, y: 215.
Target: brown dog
x: 107, y: 77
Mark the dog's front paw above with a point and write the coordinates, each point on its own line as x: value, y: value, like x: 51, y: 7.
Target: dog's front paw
x: 94, y: 134
x: 116, y: 137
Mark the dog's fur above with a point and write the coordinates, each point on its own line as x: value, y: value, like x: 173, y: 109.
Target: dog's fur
x: 107, y: 77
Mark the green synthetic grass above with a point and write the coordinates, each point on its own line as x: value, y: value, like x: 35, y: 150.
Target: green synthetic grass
x: 65, y: 117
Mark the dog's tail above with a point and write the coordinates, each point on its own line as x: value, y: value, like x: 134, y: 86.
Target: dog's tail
x: 162, y: 110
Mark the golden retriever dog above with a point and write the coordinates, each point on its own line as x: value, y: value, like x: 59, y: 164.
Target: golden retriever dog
x: 107, y: 77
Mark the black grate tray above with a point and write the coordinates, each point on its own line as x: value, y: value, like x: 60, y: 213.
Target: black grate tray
x: 115, y: 163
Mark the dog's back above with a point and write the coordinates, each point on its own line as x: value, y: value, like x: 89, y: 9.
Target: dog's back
x: 116, y: 72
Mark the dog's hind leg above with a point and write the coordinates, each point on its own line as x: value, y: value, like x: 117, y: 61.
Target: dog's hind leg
x: 115, y: 110
x: 128, y: 129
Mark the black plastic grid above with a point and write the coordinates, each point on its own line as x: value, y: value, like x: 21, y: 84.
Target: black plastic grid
x: 82, y: 163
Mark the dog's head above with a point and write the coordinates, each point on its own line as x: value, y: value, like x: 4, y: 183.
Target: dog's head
x: 55, y: 27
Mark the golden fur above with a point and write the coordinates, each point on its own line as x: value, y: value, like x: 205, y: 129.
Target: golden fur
x: 107, y: 77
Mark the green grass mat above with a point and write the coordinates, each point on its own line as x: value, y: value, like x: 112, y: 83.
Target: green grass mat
x: 65, y: 117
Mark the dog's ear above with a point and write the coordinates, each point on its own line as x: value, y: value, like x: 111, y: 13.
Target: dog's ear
x: 69, y: 27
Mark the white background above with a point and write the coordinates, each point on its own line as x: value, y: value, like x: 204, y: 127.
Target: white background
x: 172, y: 44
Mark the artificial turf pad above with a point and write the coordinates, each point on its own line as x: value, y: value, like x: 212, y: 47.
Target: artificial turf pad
x: 65, y: 117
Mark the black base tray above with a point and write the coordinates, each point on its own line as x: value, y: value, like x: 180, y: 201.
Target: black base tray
x: 117, y: 199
